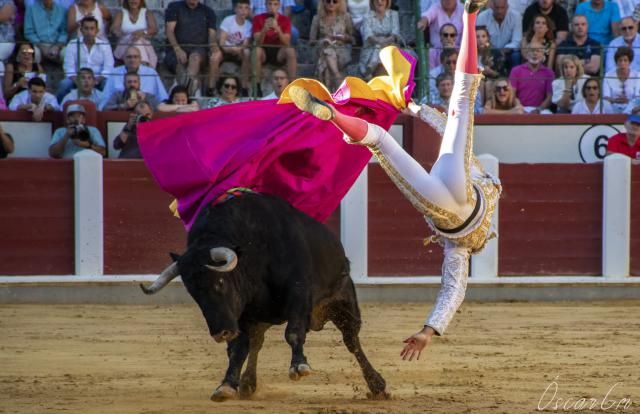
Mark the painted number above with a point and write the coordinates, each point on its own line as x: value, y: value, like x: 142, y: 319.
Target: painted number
x: 600, y: 146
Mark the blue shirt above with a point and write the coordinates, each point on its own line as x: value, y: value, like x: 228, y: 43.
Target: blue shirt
x: 600, y: 21
x: 45, y: 26
x: 70, y: 148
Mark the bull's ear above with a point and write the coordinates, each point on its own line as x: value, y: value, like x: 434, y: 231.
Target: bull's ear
x: 174, y: 256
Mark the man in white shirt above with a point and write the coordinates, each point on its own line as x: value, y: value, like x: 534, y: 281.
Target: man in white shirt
x: 505, y: 29
x: 150, y: 81
x: 86, y: 51
x: 279, y: 81
x: 86, y: 89
x: 235, y: 35
x: 35, y: 100
x: 630, y: 39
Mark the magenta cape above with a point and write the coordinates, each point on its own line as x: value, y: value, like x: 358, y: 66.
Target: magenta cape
x: 270, y: 148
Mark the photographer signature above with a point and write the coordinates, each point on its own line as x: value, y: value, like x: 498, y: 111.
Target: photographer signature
x: 550, y: 400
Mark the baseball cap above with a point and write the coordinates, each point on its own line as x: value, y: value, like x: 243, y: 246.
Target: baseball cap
x: 80, y: 108
x: 635, y: 118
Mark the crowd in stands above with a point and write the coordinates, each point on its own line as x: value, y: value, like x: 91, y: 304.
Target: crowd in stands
x: 538, y: 56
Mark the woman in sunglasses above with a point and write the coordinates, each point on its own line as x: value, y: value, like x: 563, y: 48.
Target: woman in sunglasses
x: 502, y: 100
x: 380, y: 28
x: 456, y: 197
x: 592, y: 104
x: 227, y: 88
x: 332, y: 34
x: 20, y: 69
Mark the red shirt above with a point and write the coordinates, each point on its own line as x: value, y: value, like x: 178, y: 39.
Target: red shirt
x: 271, y: 36
x: 619, y: 144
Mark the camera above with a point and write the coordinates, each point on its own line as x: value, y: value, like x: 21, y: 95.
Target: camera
x: 142, y: 118
x: 79, y: 131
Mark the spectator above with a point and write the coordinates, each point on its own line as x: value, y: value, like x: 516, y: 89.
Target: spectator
x: 190, y: 27
x: 135, y: 25
x: 150, y: 81
x: 591, y: 104
x: 45, y: 25
x: 179, y: 101
x: 532, y: 81
x: 448, y: 59
x: 448, y: 40
x: 540, y: 36
x: 6, y: 143
x: 235, y: 38
x: 627, y: 143
x: 332, y: 34
x: 630, y: 39
x: 285, y: 9
x: 439, y: 13
x: 127, y: 99
x: 444, y: 84
x: 567, y: 89
x: 621, y: 84
x: 487, y: 59
x: 581, y: 45
x: 502, y: 99
x: 7, y: 28
x: 358, y: 9
x: 380, y: 28
x: 127, y: 141
x: 227, y: 92
x: 86, y: 89
x: 554, y: 11
x: 75, y: 136
x: 273, y: 30
x: 603, y: 17
x: 20, y: 70
x: 505, y: 30
x: 86, y: 8
x: 279, y: 81
x: 35, y: 100
x: 86, y: 51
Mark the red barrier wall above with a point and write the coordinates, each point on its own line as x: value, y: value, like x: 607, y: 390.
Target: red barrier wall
x: 37, y: 220
x: 551, y: 219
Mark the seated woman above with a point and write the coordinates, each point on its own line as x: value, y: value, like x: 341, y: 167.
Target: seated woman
x: 179, y: 101
x: 540, y: 35
x: 622, y: 84
x: 380, y: 28
x: 227, y: 88
x: 84, y: 8
x: 20, y: 69
x: 502, y: 100
x: 134, y: 25
x: 332, y: 33
x: 567, y: 89
x: 487, y: 60
x: 591, y: 104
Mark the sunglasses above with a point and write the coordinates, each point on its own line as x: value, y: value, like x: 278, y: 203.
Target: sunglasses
x: 331, y: 1
x: 229, y: 86
x: 627, y: 28
x: 27, y: 51
x: 501, y: 88
x: 452, y: 35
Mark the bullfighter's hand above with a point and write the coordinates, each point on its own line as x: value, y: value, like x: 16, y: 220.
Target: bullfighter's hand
x: 416, y: 343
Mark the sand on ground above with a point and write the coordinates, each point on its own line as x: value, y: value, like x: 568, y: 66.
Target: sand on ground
x: 495, y: 358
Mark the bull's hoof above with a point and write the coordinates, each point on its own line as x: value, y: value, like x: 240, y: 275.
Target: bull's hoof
x: 223, y: 393
x: 383, y: 395
x: 246, y: 390
x: 302, y: 370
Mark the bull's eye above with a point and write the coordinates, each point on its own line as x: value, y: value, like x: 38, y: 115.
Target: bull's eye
x: 219, y: 284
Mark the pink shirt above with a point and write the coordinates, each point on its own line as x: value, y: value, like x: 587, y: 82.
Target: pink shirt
x: 437, y: 17
x: 531, y: 87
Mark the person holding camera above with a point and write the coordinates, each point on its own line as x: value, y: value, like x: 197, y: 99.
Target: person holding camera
x: 76, y: 136
x: 127, y: 141
x: 128, y: 99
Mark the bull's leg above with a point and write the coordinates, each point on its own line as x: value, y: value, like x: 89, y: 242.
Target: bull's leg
x: 248, y: 381
x: 345, y: 314
x: 237, y: 351
x: 299, y: 314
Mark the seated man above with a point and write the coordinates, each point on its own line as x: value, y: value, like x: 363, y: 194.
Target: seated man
x: 235, y: 35
x: 629, y: 38
x: 272, y: 34
x: 257, y: 7
x: 45, y: 25
x: 279, y: 81
x: 580, y: 44
x: 86, y: 88
x: 128, y: 99
x: 627, y: 143
x: 127, y: 141
x: 190, y: 27
x: 35, y: 99
x: 6, y: 143
x: 444, y: 83
x: 150, y: 81
x: 75, y: 136
x: 532, y: 82
x: 86, y: 51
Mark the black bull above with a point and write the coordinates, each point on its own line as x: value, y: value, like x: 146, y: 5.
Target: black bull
x: 255, y: 261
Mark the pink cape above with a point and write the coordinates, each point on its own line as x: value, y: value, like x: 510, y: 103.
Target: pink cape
x: 270, y: 148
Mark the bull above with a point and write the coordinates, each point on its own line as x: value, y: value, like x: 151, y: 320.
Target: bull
x: 255, y: 261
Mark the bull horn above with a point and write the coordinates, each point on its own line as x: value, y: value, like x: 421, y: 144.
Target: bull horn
x: 225, y: 254
x: 163, y: 280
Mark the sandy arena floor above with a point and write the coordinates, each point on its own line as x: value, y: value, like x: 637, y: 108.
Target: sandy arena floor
x: 495, y: 358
